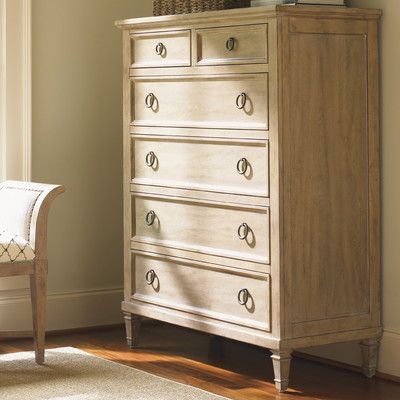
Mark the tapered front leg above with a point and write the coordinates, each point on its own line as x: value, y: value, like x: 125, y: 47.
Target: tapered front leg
x: 38, y: 297
x: 370, y: 348
x: 281, y: 362
x: 132, y: 325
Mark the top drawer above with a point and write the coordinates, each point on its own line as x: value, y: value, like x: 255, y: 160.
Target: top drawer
x: 232, y: 45
x: 161, y: 49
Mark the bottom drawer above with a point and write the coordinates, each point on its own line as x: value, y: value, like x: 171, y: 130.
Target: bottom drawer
x: 235, y: 297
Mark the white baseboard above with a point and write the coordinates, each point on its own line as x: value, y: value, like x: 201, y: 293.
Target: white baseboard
x: 349, y: 353
x: 65, y: 310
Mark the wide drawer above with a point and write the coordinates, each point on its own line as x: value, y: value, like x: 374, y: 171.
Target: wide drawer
x: 219, y: 166
x: 162, y: 49
x: 234, y: 232
x: 229, y: 296
x: 226, y: 101
x: 232, y: 45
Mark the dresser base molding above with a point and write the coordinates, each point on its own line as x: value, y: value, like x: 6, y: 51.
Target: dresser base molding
x: 281, y: 349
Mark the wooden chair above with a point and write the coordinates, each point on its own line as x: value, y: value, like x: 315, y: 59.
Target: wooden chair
x: 24, y: 208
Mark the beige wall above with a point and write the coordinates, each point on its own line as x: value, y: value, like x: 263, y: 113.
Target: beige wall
x: 390, y: 67
x: 77, y: 142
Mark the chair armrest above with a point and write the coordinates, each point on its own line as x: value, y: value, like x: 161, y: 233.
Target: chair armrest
x: 40, y: 212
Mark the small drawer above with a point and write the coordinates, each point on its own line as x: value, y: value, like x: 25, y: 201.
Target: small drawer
x: 217, y: 166
x: 164, y: 49
x: 228, y: 296
x: 232, y: 45
x: 232, y: 102
x: 231, y: 232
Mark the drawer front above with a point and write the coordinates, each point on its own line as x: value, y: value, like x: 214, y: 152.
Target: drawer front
x: 210, y: 293
x: 201, y: 165
x: 203, y: 228
x: 228, y: 101
x: 164, y: 49
x: 232, y: 45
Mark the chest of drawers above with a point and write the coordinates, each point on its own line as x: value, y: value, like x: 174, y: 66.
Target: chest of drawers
x: 251, y: 177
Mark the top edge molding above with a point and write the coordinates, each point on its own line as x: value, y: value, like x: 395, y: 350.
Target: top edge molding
x: 249, y: 13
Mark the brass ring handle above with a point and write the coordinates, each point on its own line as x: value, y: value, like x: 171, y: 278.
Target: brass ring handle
x: 241, y: 101
x: 150, y: 159
x: 150, y: 218
x: 160, y: 49
x: 149, y: 101
x: 230, y: 44
x: 150, y: 277
x: 243, y: 297
x: 243, y: 231
x: 242, y: 166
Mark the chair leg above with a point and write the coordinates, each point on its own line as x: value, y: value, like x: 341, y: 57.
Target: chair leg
x: 38, y: 297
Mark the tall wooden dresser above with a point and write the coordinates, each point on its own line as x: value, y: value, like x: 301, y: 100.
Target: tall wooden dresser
x: 251, y: 176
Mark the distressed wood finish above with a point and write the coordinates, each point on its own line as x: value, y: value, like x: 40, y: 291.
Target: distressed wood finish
x: 37, y: 269
x: 237, y: 45
x: 215, y: 295
x: 170, y: 49
x: 310, y: 131
x: 202, y: 165
x: 202, y: 101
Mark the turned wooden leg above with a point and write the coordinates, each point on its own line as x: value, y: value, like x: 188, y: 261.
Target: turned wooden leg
x: 281, y: 362
x: 38, y: 283
x: 132, y: 325
x: 369, y: 350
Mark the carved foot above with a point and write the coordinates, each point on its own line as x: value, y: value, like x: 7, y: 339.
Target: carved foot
x: 281, y: 362
x: 132, y: 325
x: 370, y: 348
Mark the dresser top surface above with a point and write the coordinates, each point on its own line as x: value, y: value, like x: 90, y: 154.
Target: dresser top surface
x: 253, y: 12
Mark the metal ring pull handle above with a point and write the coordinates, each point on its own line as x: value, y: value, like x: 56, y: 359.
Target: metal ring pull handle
x: 243, y: 297
x: 160, y: 49
x: 150, y: 159
x: 150, y: 277
x: 242, y: 166
x: 150, y: 218
x: 243, y: 231
x: 241, y: 101
x: 149, y: 101
x: 230, y: 44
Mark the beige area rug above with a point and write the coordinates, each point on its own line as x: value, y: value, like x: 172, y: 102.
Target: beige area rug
x: 71, y: 374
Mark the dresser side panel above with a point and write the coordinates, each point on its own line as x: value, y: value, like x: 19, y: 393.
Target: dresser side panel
x: 330, y: 171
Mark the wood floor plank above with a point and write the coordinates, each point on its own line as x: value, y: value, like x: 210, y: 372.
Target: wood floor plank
x: 231, y: 369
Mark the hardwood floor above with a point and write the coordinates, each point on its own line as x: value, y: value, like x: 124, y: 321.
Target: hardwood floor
x: 235, y: 370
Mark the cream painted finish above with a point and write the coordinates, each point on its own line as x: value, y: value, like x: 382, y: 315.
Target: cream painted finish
x: 232, y: 45
x: 317, y: 102
x: 166, y: 49
x: 202, y: 101
x: 203, y: 292
x: 203, y: 228
x: 202, y: 165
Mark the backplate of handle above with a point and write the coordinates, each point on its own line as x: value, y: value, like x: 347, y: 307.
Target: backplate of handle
x: 150, y: 218
x: 242, y: 166
x: 150, y: 159
x: 243, y: 297
x: 160, y: 49
x: 149, y: 101
x: 230, y: 43
x: 241, y: 101
x: 150, y: 277
x: 243, y: 231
